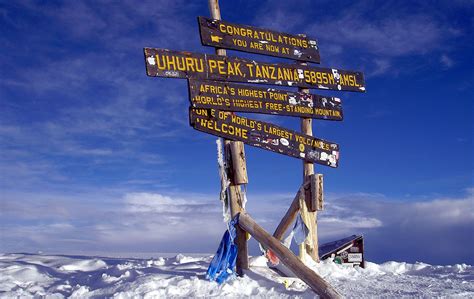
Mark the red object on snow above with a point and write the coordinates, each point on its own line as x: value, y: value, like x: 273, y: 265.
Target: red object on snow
x: 272, y: 257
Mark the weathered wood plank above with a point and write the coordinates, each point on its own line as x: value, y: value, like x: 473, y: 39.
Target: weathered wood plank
x: 248, y: 98
x: 307, y: 207
x: 218, y: 33
x: 238, y: 165
x: 318, y: 191
x: 176, y: 64
x: 237, y: 174
x: 313, y: 280
x: 265, y: 135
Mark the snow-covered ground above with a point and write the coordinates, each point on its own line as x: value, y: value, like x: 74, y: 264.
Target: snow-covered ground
x: 57, y: 276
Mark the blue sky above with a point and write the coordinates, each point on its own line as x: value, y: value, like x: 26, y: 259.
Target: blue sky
x: 96, y: 156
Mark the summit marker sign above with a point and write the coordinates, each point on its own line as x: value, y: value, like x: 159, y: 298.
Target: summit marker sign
x: 217, y: 33
x: 265, y: 135
x: 176, y: 64
x: 248, y: 98
x: 216, y: 92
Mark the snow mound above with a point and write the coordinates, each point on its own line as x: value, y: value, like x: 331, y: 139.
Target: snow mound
x: 34, y: 275
x: 181, y: 259
x: 86, y: 265
x: 24, y: 278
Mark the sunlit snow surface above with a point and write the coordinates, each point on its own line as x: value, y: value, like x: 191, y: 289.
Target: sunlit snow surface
x: 58, y: 276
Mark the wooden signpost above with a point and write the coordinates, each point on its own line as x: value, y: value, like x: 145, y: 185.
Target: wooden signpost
x: 245, y: 38
x: 265, y: 135
x: 309, y: 217
x: 237, y: 175
x: 182, y: 64
x: 246, y: 98
x: 213, y: 103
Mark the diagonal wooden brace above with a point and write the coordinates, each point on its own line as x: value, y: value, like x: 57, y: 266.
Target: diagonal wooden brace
x: 290, y: 215
x: 313, y: 280
x: 311, y: 190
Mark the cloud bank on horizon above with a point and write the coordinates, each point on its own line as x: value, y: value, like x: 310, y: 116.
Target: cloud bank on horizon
x: 432, y: 231
x: 95, y: 156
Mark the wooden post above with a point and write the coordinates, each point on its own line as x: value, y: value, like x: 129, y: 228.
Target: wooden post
x: 235, y: 158
x: 311, y: 217
x: 313, y: 280
x: 237, y: 175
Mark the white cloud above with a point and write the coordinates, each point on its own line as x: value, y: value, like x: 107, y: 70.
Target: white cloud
x: 278, y: 18
x: 439, y: 230
x: 96, y: 105
x: 379, y: 35
x: 345, y: 226
x: 144, y: 221
x: 150, y: 203
x: 381, y: 67
x: 395, y: 34
x: 446, y: 61
x: 436, y: 230
x: 88, y: 222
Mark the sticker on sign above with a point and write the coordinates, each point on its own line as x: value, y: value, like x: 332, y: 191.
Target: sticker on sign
x: 183, y: 64
x: 247, y: 98
x: 265, y: 135
x: 217, y: 33
x: 354, y: 257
